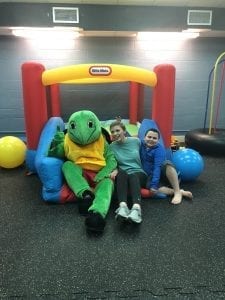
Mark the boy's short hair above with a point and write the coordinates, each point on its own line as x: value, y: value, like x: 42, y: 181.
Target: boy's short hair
x: 154, y: 130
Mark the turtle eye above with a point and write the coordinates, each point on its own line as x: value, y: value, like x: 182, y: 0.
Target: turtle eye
x: 72, y: 125
x: 90, y: 124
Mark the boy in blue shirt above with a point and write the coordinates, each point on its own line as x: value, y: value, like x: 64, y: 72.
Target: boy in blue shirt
x: 154, y: 163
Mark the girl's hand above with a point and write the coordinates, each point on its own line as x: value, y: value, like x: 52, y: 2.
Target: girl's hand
x: 113, y: 174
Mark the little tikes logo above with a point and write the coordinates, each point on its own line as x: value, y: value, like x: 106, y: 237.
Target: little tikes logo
x: 100, y: 70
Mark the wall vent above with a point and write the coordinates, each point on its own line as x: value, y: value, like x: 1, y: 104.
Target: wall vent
x: 65, y: 15
x: 199, y: 17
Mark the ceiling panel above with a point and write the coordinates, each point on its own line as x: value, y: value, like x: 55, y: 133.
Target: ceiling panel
x: 184, y: 3
x: 179, y: 3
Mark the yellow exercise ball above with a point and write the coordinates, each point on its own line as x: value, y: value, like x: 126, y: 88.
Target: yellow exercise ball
x: 12, y: 152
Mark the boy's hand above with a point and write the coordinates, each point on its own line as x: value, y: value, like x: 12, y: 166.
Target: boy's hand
x: 153, y: 191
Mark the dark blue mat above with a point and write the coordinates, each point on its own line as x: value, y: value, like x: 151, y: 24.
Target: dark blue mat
x: 178, y: 252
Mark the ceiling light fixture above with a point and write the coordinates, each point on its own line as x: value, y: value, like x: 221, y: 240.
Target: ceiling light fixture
x: 166, y: 35
x: 43, y: 33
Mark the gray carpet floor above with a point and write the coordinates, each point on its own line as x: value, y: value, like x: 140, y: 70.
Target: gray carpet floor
x: 178, y: 252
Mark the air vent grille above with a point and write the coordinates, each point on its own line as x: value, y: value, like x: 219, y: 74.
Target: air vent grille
x: 199, y: 17
x: 65, y: 15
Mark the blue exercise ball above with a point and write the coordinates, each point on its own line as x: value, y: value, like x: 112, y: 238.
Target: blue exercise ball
x: 189, y: 163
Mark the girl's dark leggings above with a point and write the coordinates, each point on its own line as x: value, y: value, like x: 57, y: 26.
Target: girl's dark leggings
x: 130, y: 184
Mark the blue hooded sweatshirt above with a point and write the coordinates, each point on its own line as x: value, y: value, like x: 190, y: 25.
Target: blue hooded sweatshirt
x: 152, y: 159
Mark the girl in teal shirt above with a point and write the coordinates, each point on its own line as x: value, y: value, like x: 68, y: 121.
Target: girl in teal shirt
x: 129, y: 176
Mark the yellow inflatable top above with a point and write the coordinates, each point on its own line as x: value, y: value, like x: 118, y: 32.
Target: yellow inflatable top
x: 98, y: 73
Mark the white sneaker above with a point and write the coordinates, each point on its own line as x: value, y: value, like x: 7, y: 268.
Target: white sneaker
x: 135, y: 215
x: 122, y: 212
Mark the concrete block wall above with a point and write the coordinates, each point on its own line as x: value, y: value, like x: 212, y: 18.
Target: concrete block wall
x: 193, y: 60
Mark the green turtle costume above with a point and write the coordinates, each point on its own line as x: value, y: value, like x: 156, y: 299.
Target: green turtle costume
x: 87, y: 167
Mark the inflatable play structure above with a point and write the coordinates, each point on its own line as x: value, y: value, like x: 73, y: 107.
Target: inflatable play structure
x: 211, y: 139
x: 41, y: 93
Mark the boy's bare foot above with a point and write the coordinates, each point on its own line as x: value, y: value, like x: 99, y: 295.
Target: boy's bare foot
x: 177, y: 198
x: 187, y: 194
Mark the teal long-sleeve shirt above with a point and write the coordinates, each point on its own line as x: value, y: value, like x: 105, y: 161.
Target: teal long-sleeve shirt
x: 127, y: 154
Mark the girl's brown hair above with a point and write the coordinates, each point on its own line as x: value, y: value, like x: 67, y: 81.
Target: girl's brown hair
x: 117, y: 122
